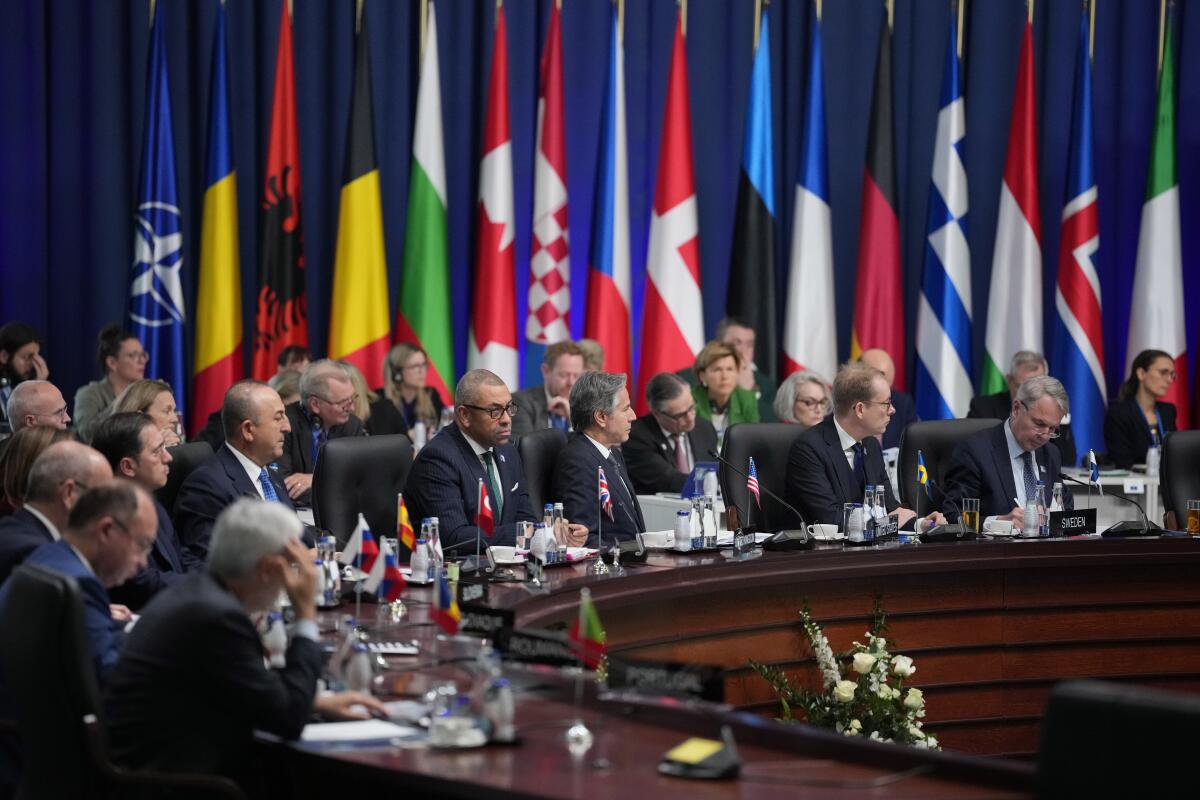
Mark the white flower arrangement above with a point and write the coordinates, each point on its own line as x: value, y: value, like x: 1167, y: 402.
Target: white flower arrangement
x: 863, y: 692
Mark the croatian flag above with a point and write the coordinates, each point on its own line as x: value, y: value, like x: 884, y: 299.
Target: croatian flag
x: 605, y: 496
x: 752, y: 483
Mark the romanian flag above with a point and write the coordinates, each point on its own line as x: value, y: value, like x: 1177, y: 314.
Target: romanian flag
x: 219, y: 300
x: 485, y: 520
x: 587, y: 634
x: 445, y: 607
x: 922, y: 473
x: 404, y: 528
x: 358, y: 318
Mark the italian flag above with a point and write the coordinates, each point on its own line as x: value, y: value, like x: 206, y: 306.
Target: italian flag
x: 587, y: 634
x: 1156, y: 313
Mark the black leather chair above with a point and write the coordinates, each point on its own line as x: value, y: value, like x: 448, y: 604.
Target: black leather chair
x: 539, y: 454
x: 1180, y: 474
x: 49, y: 672
x: 360, y: 475
x: 769, y: 443
x: 936, y: 440
x: 184, y: 458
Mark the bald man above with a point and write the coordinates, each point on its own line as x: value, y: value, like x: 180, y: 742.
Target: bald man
x: 906, y: 408
x: 37, y: 403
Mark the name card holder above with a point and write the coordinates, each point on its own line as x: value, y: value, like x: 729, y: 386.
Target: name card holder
x: 1073, y: 523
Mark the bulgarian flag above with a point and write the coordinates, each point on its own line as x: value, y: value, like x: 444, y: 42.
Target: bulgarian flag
x: 587, y: 634
x: 424, y: 316
x: 1156, y: 312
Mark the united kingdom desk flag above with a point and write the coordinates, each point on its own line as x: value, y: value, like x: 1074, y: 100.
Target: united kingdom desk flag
x: 445, y: 607
x: 605, y: 495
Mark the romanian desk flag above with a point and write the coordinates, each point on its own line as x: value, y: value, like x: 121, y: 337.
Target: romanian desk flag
x: 492, y: 339
x: 424, y: 316
x: 605, y: 495
x: 1156, y: 312
x: 549, y: 319
x: 445, y: 607
x: 587, y: 635
x: 358, y: 316
x: 1094, y: 471
x: 219, y: 361
x: 751, y: 294
x: 404, y: 528
x: 673, y: 311
x: 281, y: 318
x: 1014, y: 320
x: 609, y: 282
x: 361, y: 550
x: 485, y: 520
x: 752, y: 482
x: 923, y: 473
x: 384, y: 576
x: 878, y: 316
x: 156, y: 310
x: 1078, y: 333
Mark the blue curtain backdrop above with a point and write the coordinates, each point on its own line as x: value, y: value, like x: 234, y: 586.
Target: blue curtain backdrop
x: 72, y: 85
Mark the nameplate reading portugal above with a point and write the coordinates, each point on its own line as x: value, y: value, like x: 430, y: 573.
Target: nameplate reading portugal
x: 673, y: 678
x: 1073, y: 523
x: 485, y: 620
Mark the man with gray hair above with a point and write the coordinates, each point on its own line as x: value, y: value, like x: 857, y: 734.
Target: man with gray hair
x: 664, y: 446
x: 1025, y: 364
x: 57, y: 479
x: 602, y: 418
x: 191, y: 685
x: 37, y: 403
x: 323, y: 412
x: 1001, y: 466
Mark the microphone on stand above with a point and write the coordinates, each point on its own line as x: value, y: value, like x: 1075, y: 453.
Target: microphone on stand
x: 1125, y: 527
x: 783, y: 540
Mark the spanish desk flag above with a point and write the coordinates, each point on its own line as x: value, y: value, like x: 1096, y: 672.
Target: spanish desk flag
x: 358, y: 319
x: 219, y: 360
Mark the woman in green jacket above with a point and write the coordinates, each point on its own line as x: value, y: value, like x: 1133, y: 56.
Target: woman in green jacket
x: 718, y: 397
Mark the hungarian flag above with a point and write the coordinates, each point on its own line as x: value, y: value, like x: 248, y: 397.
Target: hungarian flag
x: 1156, y: 312
x: 751, y: 292
x: 404, y: 528
x: 608, y: 291
x: 219, y: 359
x: 358, y: 318
x: 549, y: 319
x: 485, y: 520
x: 878, y: 314
x: 493, y: 334
x: 673, y: 311
x: 809, y: 327
x: 384, y: 576
x: 1014, y: 320
x: 445, y: 607
x: 281, y: 318
x: 586, y: 635
x: 424, y: 317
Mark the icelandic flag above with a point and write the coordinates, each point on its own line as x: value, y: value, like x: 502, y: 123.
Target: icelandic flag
x: 752, y: 483
x: 384, y: 576
x: 445, y: 607
x: 156, y: 309
x: 605, y: 495
x: 923, y: 473
x: 943, y: 380
x: 1079, y: 336
x: 361, y: 550
x: 1094, y: 472
x: 485, y: 520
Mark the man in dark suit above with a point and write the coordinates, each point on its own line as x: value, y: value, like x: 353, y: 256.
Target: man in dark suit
x: 663, y: 447
x: 548, y: 405
x: 602, y: 417
x: 255, y: 424
x: 191, y: 685
x: 57, y: 479
x: 834, y: 461
x: 1002, y: 465
x: 136, y: 449
x: 323, y: 412
x: 1025, y: 364
x: 444, y: 480
x: 906, y: 407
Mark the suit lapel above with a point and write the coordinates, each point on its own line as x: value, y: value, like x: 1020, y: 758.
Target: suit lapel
x: 623, y: 484
x: 837, y: 456
x: 1003, y: 462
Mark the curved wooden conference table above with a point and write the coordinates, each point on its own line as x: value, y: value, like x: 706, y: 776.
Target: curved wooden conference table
x: 992, y: 627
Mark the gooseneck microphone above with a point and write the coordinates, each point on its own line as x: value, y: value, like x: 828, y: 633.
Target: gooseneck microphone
x: 790, y: 541
x: 950, y: 531
x: 1125, y: 527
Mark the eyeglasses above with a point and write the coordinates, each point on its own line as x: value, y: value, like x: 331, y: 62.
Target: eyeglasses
x: 137, y: 355
x: 422, y: 365
x: 61, y: 414
x: 1039, y: 425
x: 885, y: 403
x: 1165, y: 372
x: 348, y: 403
x: 811, y: 403
x: 144, y: 546
x: 495, y: 412
x: 682, y: 415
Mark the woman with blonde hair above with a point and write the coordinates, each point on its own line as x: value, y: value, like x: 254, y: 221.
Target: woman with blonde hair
x: 406, y: 399
x: 156, y: 400
x: 718, y: 397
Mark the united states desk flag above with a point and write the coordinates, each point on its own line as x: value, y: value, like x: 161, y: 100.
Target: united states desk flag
x: 282, y: 315
x: 445, y: 607
x: 219, y: 362
x: 1078, y: 333
x: 156, y: 310
x: 384, y: 576
x: 752, y: 483
x: 404, y: 528
x: 608, y: 291
x: 943, y: 380
x: 586, y: 635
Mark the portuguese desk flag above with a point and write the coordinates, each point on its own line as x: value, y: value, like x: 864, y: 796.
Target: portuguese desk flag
x: 586, y: 634
x: 358, y: 320
x: 424, y: 316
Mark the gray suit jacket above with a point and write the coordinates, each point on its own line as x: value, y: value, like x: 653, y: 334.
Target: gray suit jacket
x: 532, y: 414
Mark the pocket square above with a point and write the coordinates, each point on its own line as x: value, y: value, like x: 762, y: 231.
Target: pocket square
x: 514, y: 486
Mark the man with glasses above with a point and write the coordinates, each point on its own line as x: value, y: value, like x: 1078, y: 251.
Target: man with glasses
x: 664, y: 446
x: 325, y: 411
x: 548, y: 405
x: 37, y: 403
x: 444, y: 480
x: 833, y: 462
x: 1025, y: 364
x: 1002, y: 465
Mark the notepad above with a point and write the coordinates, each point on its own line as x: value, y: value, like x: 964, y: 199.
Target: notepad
x: 355, y: 731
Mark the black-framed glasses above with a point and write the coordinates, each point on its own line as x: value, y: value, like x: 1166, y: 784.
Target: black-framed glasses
x: 813, y: 402
x: 682, y: 415
x: 1039, y: 425
x: 495, y: 412
x: 885, y: 403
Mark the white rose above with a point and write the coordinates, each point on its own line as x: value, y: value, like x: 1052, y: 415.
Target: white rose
x: 915, y: 699
x: 884, y: 693
x: 916, y: 732
x: 895, y: 693
x: 843, y: 691
x: 855, y: 725
x: 902, y: 666
x: 863, y: 662
x: 880, y: 643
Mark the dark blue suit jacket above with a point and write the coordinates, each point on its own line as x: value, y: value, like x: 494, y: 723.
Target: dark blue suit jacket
x: 980, y: 467
x: 576, y: 486
x: 444, y: 483
x: 20, y: 534
x: 165, y: 565
x: 210, y: 489
x: 906, y: 414
x: 820, y: 480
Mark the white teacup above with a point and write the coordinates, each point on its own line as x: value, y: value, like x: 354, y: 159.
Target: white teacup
x: 999, y: 527
x: 503, y: 553
x: 823, y: 531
